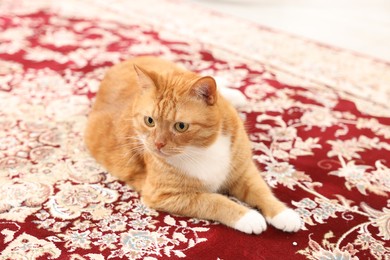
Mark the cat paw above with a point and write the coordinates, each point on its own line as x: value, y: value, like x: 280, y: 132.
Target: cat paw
x: 287, y: 220
x: 251, y: 223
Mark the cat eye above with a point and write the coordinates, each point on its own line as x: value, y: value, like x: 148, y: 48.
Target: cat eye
x: 181, y: 127
x: 149, y: 121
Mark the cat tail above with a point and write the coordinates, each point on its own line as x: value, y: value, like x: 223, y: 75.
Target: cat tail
x: 234, y: 96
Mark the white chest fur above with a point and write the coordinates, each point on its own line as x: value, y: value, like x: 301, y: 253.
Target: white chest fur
x: 211, y: 165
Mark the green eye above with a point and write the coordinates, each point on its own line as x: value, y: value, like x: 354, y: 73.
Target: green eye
x: 149, y: 121
x: 181, y: 127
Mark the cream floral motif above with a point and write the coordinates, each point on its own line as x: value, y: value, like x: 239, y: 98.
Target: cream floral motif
x: 318, y: 116
x: 317, y: 211
x: 18, y: 200
x: 29, y: 247
x: 292, y: 54
x: 364, y: 240
x: 137, y: 243
x: 85, y: 170
x: 316, y: 252
x: 73, y: 200
x: 374, y: 125
x: 358, y: 176
x: 294, y: 111
x: 111, y: 230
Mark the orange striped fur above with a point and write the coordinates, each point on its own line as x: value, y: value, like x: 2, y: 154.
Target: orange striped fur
x: 168, y: 167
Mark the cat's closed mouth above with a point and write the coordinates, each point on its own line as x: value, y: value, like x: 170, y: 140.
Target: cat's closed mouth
x: 161, y: 153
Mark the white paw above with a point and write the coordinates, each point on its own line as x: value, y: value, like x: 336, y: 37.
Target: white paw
x: 287, y: 220
x: 251, y: 222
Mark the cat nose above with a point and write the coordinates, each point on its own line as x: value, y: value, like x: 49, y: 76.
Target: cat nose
x: 159, y: 145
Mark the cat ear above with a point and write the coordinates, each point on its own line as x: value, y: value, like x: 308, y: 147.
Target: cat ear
x: 144, y: 80
x: 205, y: 88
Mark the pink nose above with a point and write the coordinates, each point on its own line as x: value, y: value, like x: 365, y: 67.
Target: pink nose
x: 159, y: 145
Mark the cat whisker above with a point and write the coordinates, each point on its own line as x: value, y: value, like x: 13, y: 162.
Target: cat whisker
x: 134, y: 154
x: 137, y: 140
x: 131, y: 138
x: 136, y: 150
x: 130, y: 145
x: 185, y: 157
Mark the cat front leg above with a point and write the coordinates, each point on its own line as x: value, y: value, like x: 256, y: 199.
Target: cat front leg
x: 252, y: 189
x: 210, y: 206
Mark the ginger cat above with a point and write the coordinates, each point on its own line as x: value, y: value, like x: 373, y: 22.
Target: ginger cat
x: 172, y: 136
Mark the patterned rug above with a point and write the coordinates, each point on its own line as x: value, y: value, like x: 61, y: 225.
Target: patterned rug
x: 319, y: 119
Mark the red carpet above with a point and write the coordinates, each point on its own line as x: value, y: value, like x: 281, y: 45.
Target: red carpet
x: 319, y: 118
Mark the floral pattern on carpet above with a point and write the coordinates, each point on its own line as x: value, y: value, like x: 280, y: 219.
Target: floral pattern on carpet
x: 320, y: 128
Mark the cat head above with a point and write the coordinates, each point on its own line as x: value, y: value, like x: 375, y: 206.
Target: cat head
x: 175, y: 111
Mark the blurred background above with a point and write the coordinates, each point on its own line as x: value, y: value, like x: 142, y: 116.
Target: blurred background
x: 358, y: 25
